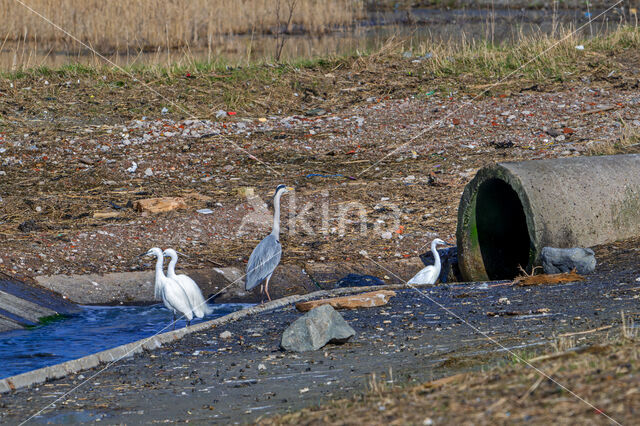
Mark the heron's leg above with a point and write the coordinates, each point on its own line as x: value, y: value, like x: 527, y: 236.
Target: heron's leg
x: 266, y: 288
x: 188, y: 323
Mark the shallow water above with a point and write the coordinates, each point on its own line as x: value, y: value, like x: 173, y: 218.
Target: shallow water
x: 420, y: 29
x: 94, y: 329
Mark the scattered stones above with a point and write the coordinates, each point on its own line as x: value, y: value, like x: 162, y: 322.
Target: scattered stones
x: 557, y: 260
x: 365, y: 300
x: 315, y: 329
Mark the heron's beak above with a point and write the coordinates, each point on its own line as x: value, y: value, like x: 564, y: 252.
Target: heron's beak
x: 146, y: 253
x: 182, y: 254
x: 290, y: 188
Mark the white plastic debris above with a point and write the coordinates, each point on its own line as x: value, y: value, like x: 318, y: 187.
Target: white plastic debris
x: 225, y: 335
x: 221, y: 113
x: 205, y: 211
x: 148, y: 172
x: 165, y: 110
x: 579, y: 47
x: 133, y: 167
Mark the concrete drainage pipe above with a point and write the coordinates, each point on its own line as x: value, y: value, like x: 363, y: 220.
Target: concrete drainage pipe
x: 510, y: 211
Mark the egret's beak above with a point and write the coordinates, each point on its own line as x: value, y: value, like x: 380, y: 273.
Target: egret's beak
x: 182, y: 254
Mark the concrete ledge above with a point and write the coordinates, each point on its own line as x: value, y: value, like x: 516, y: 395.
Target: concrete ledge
x: 58, y: 371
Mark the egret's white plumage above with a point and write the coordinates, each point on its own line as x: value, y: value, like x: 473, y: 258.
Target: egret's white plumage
x: 430, y: 274
x: 266, y: 256
x: 172, y: 295
x: 196, y: 299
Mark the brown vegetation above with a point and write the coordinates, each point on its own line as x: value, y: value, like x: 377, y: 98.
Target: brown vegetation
x: 587, y: 384
x: 151, y: 24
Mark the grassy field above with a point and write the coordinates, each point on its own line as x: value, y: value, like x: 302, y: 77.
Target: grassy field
x: 474, y: 68
x: 150, y: 24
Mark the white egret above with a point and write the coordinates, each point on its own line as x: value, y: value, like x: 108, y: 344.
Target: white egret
x: 196, y: 299
x: 265, y: 257
x: 430, y: 274
x: 172, y: 295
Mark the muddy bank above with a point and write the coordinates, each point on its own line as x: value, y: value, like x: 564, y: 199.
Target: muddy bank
x: 209, y: 379
x: 223, y: 285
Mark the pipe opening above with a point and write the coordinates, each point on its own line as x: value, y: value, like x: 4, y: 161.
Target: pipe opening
x: 503, y: 236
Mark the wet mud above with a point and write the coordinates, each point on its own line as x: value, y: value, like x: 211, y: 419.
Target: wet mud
x: 421, y: 335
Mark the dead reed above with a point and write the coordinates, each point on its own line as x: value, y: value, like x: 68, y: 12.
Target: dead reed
x: 109, y: 25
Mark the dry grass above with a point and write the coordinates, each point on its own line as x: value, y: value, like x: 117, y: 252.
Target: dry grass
x: 629, y: 138
x: 603, y: 374
x: 151, y: 24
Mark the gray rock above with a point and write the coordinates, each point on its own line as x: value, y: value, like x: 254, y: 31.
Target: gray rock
x: 315, y: 329
x: 557, y: 260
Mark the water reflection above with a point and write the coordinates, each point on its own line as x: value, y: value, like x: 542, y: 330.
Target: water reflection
x: 418, y: 29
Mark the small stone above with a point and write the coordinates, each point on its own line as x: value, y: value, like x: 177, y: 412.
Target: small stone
x: 558, y: 260
x: 262, y: 367
x: 387, y: 235
x: 315, y: 329
x: 315, y: 112
x: 148, y: 172
x: 225, y: 335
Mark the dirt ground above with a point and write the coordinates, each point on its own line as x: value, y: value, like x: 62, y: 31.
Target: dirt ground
x: 420, y: 336
x: 378, y: 154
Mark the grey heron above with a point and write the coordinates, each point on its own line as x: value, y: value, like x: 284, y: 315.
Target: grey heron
x: 265, y: 257
x: 173, y: 296
x: 194, y: 295
x: 430, y: 274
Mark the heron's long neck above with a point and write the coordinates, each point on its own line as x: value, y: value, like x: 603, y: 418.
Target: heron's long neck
x: 171, y: 269
x: 436, y: 256
x: 276, y: 215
